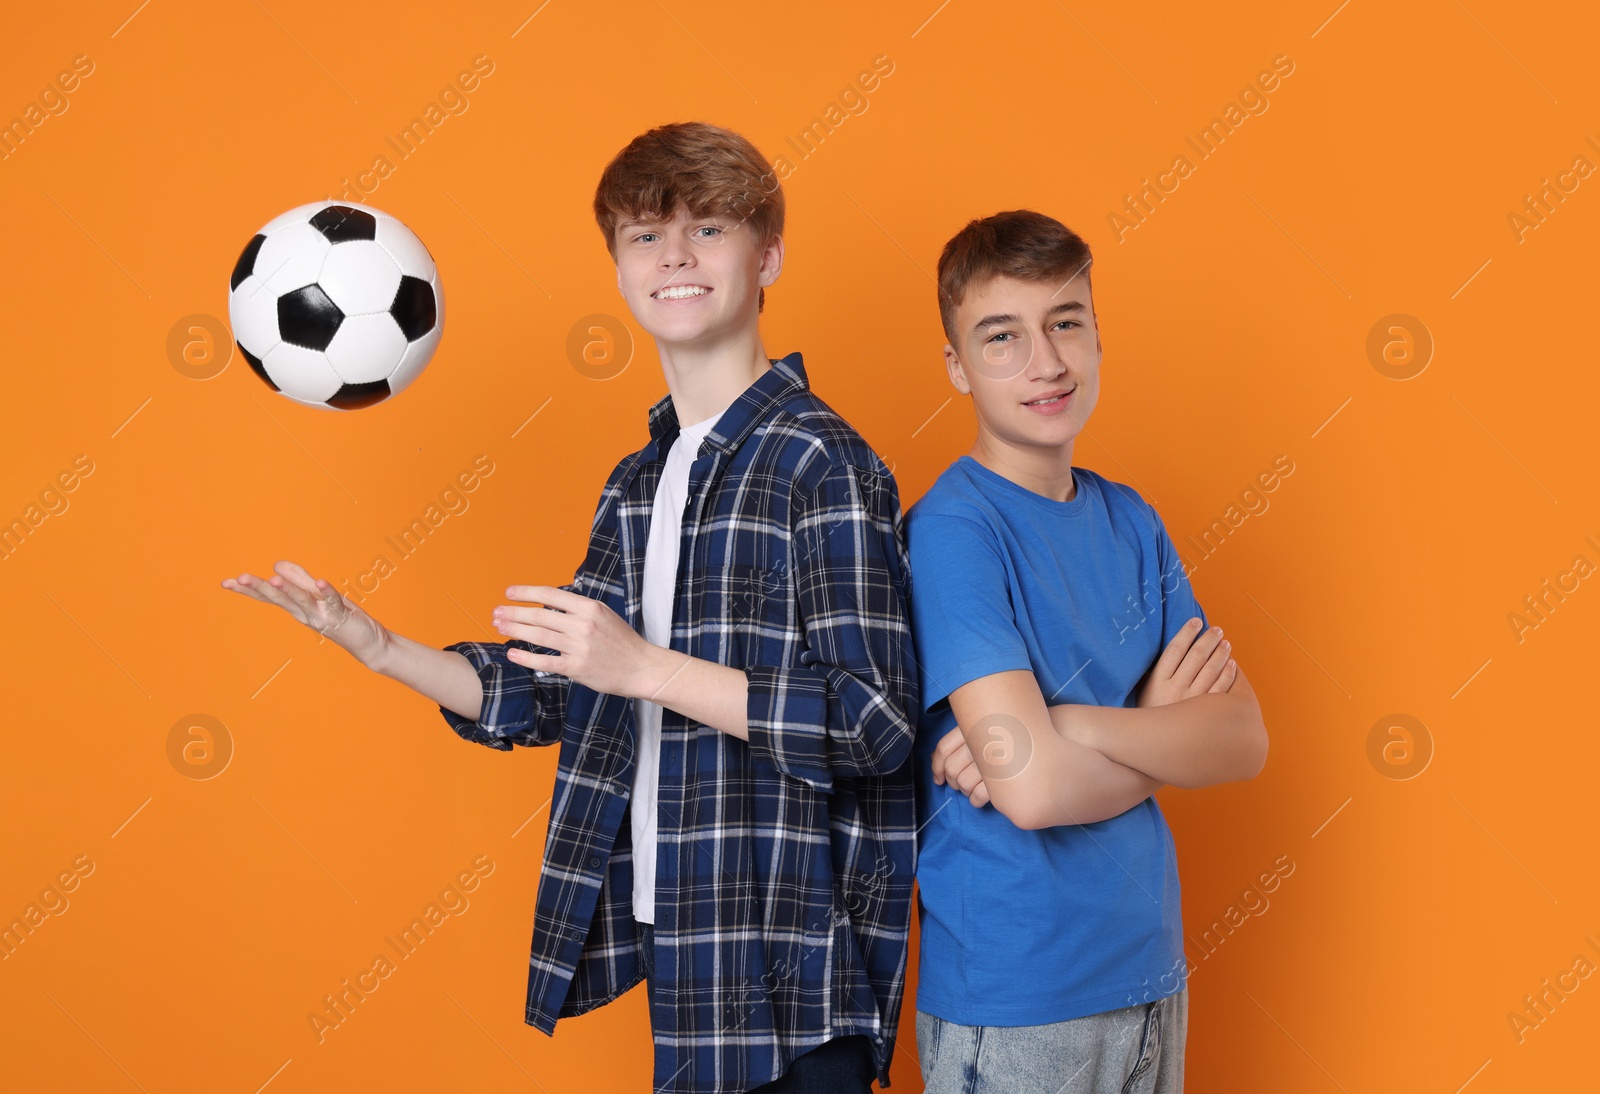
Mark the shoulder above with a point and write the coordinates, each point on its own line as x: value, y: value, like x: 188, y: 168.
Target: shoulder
x: 955, y: 497
x: 1117, y: 494
x: 807, y: 441
x: 1129, y: 514
x: 951, y: 514
x: 1121, y: 500
x: 619, y: 474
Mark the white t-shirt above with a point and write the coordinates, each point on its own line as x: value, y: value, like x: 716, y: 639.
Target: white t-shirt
x: 660, y: 584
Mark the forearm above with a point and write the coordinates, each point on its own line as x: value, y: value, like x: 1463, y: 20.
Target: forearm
x: 1081, y: 786
x: 441, y: 675
x: 1199, y: 741
x: 700, y: 690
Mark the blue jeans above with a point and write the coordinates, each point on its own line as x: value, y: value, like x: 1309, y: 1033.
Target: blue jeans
x: 840, y: 1066
x: 1131, y: 1050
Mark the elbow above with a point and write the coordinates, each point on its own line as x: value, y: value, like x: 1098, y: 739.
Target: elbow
x: 885, y: 732
x: 1250, y: 755
x: 1026, y: 811
x: 895, y: 751
x: 888, y: 750
x: 1256, y: 753
x: 1253, y: 752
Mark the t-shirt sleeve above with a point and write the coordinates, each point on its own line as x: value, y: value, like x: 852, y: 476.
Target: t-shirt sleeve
x: 962, y: 619
x: 1178, y: 603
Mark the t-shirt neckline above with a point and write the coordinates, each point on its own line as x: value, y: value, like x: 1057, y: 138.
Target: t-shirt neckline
x: 1079, y: 498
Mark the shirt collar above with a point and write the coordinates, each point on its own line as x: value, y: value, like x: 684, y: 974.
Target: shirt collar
x: 784, y: 378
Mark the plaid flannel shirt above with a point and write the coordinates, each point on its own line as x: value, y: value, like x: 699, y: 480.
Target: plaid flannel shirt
x: 785, y: 863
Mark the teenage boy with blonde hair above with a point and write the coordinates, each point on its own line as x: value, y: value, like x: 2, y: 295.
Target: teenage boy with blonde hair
x: 733, y: 819
x: 1066, y: 673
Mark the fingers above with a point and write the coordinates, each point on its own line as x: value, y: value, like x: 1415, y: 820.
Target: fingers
x: 1172, y: 656
x: 953, y: 764
x: 941, y: 753
x: 1212, y: 669
x: 1198, y: 655
x: 295, y: 573
x: 980, y: 795
x: 551, y: 597
x: 290, y: 590
x: 552, y: 619
x: 961, y: 771
x: 538, y: 635
x: 1229, y: 674
x: 263, y: 591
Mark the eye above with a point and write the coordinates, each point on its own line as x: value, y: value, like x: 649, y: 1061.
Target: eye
x: 646, y: 237
x: 1069, y: 322
x: 712, y: 228
x: 997, y: 337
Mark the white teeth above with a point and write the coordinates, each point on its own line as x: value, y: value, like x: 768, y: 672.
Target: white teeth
x: 1046, y: 402
x: 678, y: 292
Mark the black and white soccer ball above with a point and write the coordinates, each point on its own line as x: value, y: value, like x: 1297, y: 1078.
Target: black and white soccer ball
x: 336, y: 306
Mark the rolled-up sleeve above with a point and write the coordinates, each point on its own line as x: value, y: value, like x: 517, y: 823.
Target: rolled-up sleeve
x: 848, y: 707
x: 521, y: 706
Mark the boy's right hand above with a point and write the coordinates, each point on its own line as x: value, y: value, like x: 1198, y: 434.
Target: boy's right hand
x: 319, y: 606
x: 1192, y: 664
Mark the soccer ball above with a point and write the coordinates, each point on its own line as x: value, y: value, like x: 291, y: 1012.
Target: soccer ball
x: 335, y: 306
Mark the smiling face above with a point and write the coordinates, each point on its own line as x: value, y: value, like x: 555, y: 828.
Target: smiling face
x: 694, y: 280
x: 1029, y: 355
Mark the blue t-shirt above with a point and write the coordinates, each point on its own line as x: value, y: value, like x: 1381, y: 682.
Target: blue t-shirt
x: 1027, y: 927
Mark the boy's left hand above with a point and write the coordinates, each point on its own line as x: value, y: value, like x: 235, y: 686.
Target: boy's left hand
x: 953, y: 764
x: 598, y: 649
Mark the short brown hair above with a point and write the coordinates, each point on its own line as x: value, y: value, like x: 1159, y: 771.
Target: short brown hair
x: 1020, y: 243
x: 702, y: 168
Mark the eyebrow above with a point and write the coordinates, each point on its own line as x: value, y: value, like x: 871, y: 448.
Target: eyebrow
x: 1001, y: 319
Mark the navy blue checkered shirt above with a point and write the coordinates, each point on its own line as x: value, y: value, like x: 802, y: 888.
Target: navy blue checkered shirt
x: 784, y: 864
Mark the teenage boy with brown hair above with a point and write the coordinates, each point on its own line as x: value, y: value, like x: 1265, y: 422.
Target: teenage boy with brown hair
x: 1066, y: 674
x: 729, y: 676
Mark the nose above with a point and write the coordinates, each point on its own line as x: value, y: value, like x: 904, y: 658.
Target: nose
x: 676, y: 253
x: 1047, y: 362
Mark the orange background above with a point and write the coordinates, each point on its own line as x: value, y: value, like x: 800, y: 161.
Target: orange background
x: 1235, y: 321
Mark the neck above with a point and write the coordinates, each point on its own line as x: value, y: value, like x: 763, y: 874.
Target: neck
x: 705, y: 378
x: 1044, y: 469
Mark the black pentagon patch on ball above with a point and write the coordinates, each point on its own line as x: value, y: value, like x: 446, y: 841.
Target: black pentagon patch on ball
x: 247, y: 262
x: 342, y: 224
x: 306, y: 317
x: 356, y: 396
x: 255, y: 366
x: 414, y: 307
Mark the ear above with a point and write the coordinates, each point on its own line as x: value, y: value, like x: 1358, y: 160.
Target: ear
x: 771, y: 261
x: 958, y: 374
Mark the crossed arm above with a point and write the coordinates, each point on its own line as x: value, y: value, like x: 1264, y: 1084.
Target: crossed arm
x: 1197, y: 723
